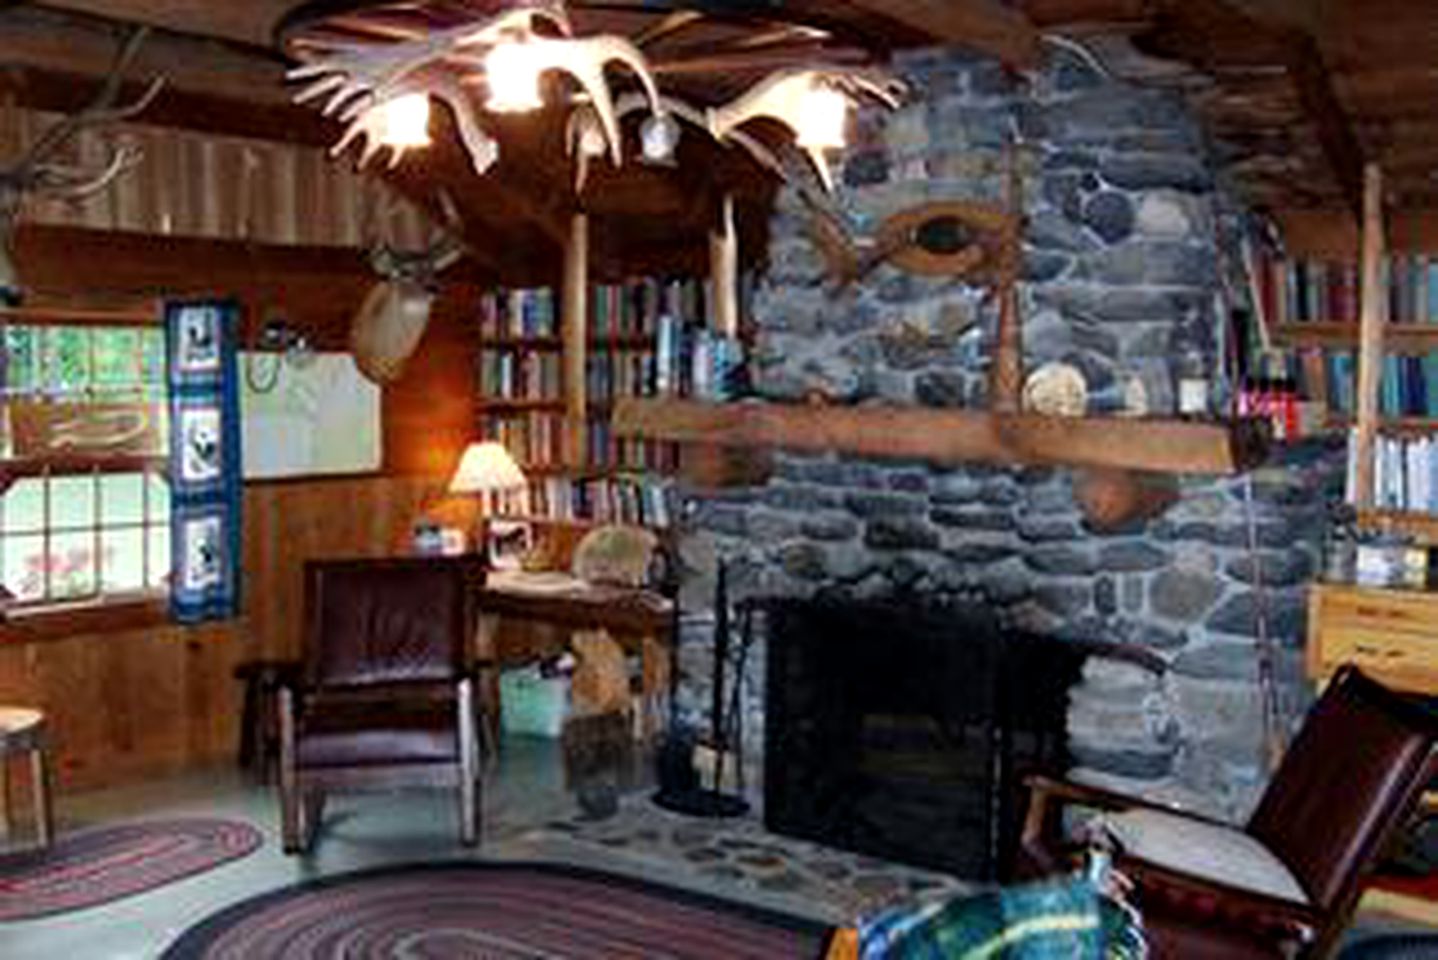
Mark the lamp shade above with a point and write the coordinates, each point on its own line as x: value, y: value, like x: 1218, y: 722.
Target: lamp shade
x: 486, y: 467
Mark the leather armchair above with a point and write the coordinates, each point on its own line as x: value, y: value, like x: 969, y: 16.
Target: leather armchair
x: 1350, y: 779
x: 384, y: 695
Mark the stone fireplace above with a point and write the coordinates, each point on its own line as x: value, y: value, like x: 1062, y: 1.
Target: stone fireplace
x: 1126, y: 255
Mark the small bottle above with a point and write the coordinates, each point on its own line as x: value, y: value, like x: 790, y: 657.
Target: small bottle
x: 1191, y: 379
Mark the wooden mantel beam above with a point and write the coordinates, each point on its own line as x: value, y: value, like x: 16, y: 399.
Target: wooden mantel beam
x: 951, y: 436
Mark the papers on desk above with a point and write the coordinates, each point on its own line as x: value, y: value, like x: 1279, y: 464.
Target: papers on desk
x: 547, y: 582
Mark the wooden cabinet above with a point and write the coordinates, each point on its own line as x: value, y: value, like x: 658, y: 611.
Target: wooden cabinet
x: 1389, y: 634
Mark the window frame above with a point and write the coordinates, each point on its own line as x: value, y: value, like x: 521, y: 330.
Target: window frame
x: 59, y: 618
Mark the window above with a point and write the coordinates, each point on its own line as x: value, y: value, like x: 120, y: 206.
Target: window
x: 84, y: 499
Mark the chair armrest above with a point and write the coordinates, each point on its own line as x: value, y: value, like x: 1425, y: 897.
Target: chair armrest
x: 1040, y: 841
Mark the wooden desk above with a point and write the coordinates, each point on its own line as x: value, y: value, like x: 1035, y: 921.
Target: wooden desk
x: 639, y: 620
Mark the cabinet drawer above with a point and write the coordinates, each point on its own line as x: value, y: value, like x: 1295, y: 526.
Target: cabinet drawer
x: 1415, y: 614
x: 1366, y: 649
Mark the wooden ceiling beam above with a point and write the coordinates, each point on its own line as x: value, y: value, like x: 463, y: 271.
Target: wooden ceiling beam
x: 986, y: 26
x: 251, y: 22
x: 58, y: 91
x: 1335, y: 132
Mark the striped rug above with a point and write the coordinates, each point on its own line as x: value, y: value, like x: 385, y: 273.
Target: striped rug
x: 91, y: 867
x: 496, y: 912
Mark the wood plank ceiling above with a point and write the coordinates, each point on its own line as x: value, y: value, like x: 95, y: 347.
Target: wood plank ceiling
x: 1299, y: 93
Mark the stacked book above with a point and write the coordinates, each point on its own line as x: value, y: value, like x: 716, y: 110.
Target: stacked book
x: 1405, y: 473
x: 1317, y: 291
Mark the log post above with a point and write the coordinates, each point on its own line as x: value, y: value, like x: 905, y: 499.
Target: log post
x: 1007, y: 378
x: 575, y: 318
x: 1372, y: 320
x: 724, y: 272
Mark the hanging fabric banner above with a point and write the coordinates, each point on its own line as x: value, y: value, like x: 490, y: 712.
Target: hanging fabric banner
x: 205, y: 484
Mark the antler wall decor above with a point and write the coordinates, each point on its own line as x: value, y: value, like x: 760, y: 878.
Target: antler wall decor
x: 386, y: 77
x: 40, y: 171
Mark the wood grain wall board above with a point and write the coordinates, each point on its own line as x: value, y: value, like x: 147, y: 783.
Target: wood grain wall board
x: 128, y: 705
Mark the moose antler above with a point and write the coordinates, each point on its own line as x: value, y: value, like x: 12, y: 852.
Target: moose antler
x: 359, y: 77
x: 782, y: 96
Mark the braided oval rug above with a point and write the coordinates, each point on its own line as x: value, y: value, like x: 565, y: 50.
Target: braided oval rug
x: 103, y: 864
x: 495, y: 911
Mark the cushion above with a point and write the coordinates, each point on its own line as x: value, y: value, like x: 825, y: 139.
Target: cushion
x: 1209, y: 851
x: 1041, y: 921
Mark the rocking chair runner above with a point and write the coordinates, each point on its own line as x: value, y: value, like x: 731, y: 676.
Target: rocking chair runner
x: 1287, y: 883
x: 384, y: 696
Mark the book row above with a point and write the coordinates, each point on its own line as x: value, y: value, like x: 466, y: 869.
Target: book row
x: 1317, y: 291
x: 538, y: 440
x: 514, y: 375
x: 1405, y: 473
x: 1408, y: 386
x: 634, y: 500
x: 525, y: 312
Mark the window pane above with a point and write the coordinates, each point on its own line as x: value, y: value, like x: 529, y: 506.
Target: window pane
x: 117, y: 356
x: 159, y: 573
x: 68, y: 359
x: 24, y: 566
x: 72, y: 565
x: 24, y: 506
x: 152, y: 361
x: 122, y: 498
x: 122, y: 560
x: 159, y: 496
x: 72, y: 502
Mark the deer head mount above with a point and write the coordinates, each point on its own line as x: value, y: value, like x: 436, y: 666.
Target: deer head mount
x: 41, y: 172
x: 395, y: 312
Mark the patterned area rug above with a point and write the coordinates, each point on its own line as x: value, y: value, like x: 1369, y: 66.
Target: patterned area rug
x: 506, y: 911
x: 97, y: 866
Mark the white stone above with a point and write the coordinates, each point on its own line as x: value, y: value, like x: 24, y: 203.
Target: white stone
x: 1163, y: 214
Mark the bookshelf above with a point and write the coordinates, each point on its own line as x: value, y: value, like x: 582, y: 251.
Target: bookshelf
x: 642, y: 337
x: 1355, y: 327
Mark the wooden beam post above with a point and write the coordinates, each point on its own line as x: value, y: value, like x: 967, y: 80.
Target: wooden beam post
x: 575, y: 320
x: 1370, y: 333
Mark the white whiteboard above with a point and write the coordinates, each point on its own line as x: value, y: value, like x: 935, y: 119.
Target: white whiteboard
x: 319, y: 418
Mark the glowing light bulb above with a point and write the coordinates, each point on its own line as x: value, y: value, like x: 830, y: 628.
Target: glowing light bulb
x: 406, y: 121
x: 822, y: 117
x: 513, y: 75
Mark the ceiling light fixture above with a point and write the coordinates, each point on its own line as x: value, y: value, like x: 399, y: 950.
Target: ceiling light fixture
x: 406, y: 121
x: 362, y: 81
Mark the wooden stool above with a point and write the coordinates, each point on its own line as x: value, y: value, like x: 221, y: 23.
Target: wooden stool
x: 23, y: 731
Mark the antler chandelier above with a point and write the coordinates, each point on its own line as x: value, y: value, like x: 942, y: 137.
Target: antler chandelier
x: 382, y: 86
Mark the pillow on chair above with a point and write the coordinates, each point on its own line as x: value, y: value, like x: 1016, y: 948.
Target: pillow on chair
x: 1070, y: 918
x: 1210, y: 851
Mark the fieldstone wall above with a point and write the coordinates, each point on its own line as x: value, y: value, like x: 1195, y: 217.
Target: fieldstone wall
x: 1122, y: 264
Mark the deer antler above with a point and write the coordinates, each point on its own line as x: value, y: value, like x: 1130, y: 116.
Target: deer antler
x: 38, y: 173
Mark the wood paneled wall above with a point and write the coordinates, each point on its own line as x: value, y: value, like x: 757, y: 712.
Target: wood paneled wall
x: 128, y: 705
x: 225, y: 188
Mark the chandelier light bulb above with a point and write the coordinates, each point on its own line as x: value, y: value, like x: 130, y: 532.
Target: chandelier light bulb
x: 823, y: 115
x: 659, y: 138
x: 513, y: 75
x: 406, y: 121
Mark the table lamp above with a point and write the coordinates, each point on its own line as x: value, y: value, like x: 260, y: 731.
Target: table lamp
x: 488, y: 470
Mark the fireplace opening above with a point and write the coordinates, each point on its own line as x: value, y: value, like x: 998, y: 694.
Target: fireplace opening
x: 900, y: 727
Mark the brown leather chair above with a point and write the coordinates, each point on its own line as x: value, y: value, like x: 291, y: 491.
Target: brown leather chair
x: 1351, y: 778
x: 384, y: 696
